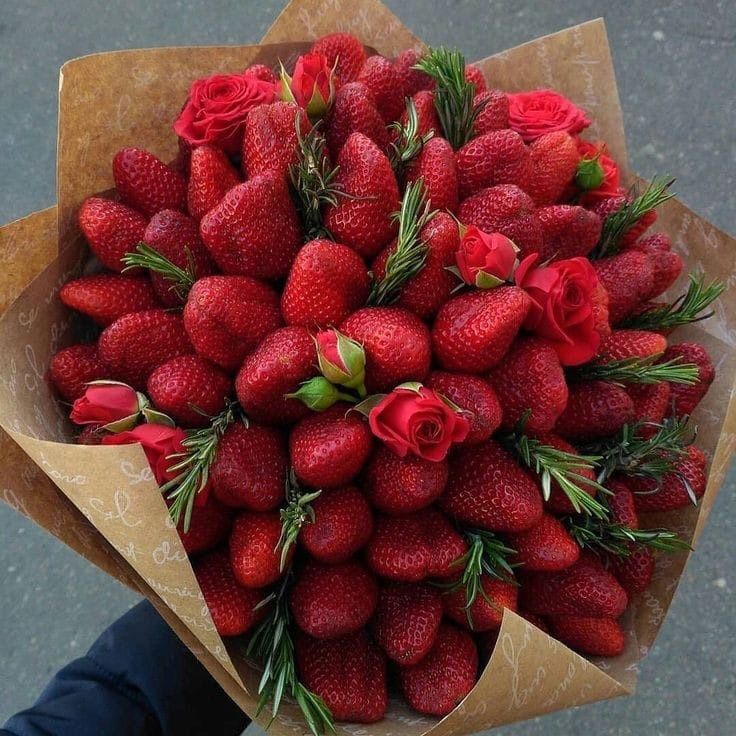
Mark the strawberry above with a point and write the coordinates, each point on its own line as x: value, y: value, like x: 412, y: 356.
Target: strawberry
x: 535, y: 620
x: 209, y: 526
x: 330, y: 448
x: 652, y: 403
x: 147, y: 183
x: 474, y: 330
x: 112, y: 229
x: 554, y: 161
x: 381, y: 78
x: 407, y: 621
x: 411, y: 80
x: 260, y: 72
x: 412, y: 548
x: 438, y: 683
x: 436, y: 165
x: 284, y: 359
x: 249, y: 469
x: 211, y: 175
x: 354, y: 111
x: 475, y: 397
x: 598, y: 637
x: 348, y: 673
x: 426, y: 113
x: 635, y: 570
x: 342, y: 49
x: 342, y: 525
x: 530, y: 383
x: 189, y: 389
x: 232, y: 607
x: 546, y: 547
x: 400, y: 485
x: 686, y: 398
x: 396, y: 343
x: 137, y: 343
x: 362, y: 219
x: 475, y: 76
x: 105, y: 297
x: 599, y: 306
x: 486, y: 611
x: 494, y: 113
x: 567, y: 231
x: 255, y: 230
x: 654, y: 243
x: 605, y: 207
x: 666, y: 265
x: 426, y: 292
x: 595, y: 409
x: 254, y: 548
x: 622, y: 503
x: 490, y: 490
x: 333, y: 600
x: 326, y: 283
x: 624, y: 344
x: 72, y: 368
x: 176, y: 237
x: 508, y: 210
x: 498, y: 157
x: 628, y: 278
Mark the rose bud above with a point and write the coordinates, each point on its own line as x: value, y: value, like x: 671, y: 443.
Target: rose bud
x: 341, y: 360
x: 312, y: 85
x: 597, y: 173
x: 485, y: 260
x: 589, y: 174
x: 111, y: 405
x: 319, y: 394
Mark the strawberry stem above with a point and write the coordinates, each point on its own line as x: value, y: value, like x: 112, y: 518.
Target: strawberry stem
x: 182, y: 279
x: 639, y: 371
x: 297, y: 512
x: 409, y: 143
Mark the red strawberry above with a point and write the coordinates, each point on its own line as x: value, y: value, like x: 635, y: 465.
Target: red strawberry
x: 189, y: 390
x: 567, y: 231
x: 407, y: 621
x: 494, y: 114
x: 508, y: 210
x: 426, y: 113
x: 546, y: 547
x: 554, y: 161
x: 490, y: 490
x: 348, y: 673
x: 535, y: 620
x: 438, y: 683
x: 232, y: 607
x: 342, y: 49
x: 255, y: 230
x: 330, y: 448
x: 627, y: 277
x: 227, y: 316
x: 595, y: 409
x: 112, y: 229
x: 105, y: 297
x: 654, y: 243
x: 411, y: 548
x: 598, y: 637
x: 254, y: 552
x: 363, y: 219
x: 498, y: 157
x: 411, y: 80
x: 474, y: 330
x: 354, y: 111
x: 486, y: 612
x: 475, y: 76
x: 436, y: 165
x: 342, y: 525
x: 211, y: 175
x: 209, y: 525
x: 249, y: 469
x: 137, y: 343
x: 333, y: 600
x: 283, y: 360
x: 426, y: 292
x: 261, y: 72
x: 475, y: 396
x: 396, y: 343
x: 147, y: 183
x: 176, y: 237
x: 686, y: 398
x: 624, y: 344
x: 326, y: 283
x: 651, y: 404
x: 666, y: 265
x: 397, y: 485
x: 599, y: 299
x: 635, y: 570
x: 530, y: 379
x: 622, y: 503
x: 72, y: 368
x: 384, y: 82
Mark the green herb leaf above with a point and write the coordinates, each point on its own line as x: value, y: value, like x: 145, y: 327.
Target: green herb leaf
x: 639, y: 371
x: 297, y: 512
x: 408, y: 144
x: 181, y: 279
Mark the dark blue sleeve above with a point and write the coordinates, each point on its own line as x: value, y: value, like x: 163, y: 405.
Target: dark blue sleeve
x: 138, y: 679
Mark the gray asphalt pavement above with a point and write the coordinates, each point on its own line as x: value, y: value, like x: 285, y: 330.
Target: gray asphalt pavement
x: 675, y: 63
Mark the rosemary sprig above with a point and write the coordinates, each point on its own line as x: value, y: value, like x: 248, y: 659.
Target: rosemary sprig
x: 297, y: 512
x: 408, y: 144
x: 639, y: 371
x: 193, y: 465
x: 272, y: 646
x: 454, y: 96
x: 687, y: 308
x: 182, y: 279
x: 618, y: 222
x: 408, y: 257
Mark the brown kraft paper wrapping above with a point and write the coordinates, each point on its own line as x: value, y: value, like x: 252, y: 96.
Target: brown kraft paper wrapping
x: 103, y: 501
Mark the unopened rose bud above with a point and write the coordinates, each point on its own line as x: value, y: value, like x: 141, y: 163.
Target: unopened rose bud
x: 112, y: 405
x: 589, y: 174
x: 317, y: 393
x: 312, y: 85
x: 341, y: 360
x: 485, y: 260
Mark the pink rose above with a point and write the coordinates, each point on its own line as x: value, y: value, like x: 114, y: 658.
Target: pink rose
x: 216, y: 109
x: 312, y: 86
x: 532, y: 114
x: 419, y: 421
x: 609, y: 186
x: 562, y: 308
x: 104, y: 403
x: 485, y: 260
x: 341, y: 360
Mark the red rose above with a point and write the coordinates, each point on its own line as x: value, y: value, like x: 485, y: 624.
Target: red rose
x: 419, y: 421
x: 159, y: 442
x: 312, y: 85
x: 562, y: 310
x: 485, y: 260
x: 104, y: 403
x: 532, y: 114
x: 216, y: 109
x: 609, y: 187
